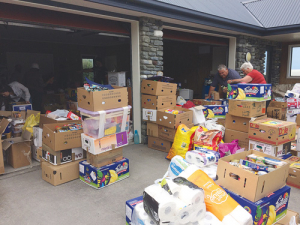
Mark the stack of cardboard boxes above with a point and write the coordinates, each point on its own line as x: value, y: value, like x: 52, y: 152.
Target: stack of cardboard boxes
x: 277, y: 110
x: 105, y: 118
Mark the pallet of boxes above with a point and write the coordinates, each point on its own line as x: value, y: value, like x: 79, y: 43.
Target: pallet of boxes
x: 161, y: 113
x: 105, y: 115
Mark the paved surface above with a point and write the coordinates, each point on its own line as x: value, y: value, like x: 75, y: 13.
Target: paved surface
x: 25, y: 198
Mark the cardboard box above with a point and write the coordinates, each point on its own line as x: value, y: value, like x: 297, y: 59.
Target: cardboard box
x: 72, y: 105
x: 256, y: 92
x: 3, y: 124
x: 276, y: 104
x: 46, y: 120
x: 294, y: 173
x: 21, y: 106
x: 99, y: 177
x: 61, y: 174
x: 167, y: 133
x: 130, y: 205
x: 222, y: 121
x: 37, y: 136
x: 249, y: 185
x: 287, y: 218
x: 277, y: 112
x: 36, y: 153
x: 117, y: 78
x: 231, y: 135
x: 97, y: 146
x: 219, y: 111
x: 150, y: 115
x: 102, y: 100
x: 298, y: 120
x: 105, y: 158
x: 158, y: 88
x: 272, y: 150
x: 272, y: 131
x: 152, y: 129
x: 278, y: 200
x: 61, y: 140
x: 240, y: 123
x: 199, y: 101
x: 210, y: 102
x: 158, y: 102
x: 159, y: 144
x: 215, y: 95
x: 173, y: 121
x: 246, y: 108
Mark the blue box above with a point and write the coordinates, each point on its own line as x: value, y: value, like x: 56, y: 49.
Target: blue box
x: 255, y: 92
x: 23, y: 107
x: 261, y: 209
x: 219, y: 111
x: 130, y: 204
x: 105, y: 175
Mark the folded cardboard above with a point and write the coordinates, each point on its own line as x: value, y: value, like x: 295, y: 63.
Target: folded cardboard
x: 272, y: 150
x: 246, y: 108
x: 219, y: 111
x: 37, y: 136
x: 152, y: 129
x: 46, y: 120
x: 158, y: 102
x: 158, y: 88
x: 150, y: 115
x: 275, y: 203
x: 99, y: 177
x: 286, y: 220
x: 130, y: 205
x: 277, y: 113
x: 172, y: 120
x: 272, y: 131
x: 256, y: 92
x: 167, y: 133
x: 242, y: 137
x: 249, y: 185
x: 61, y: 174
x: 240, y: 123
x: 102, y: 100
x: 97, y: 146
x: 36, y: 153
x: 159, y: 144
x: 294, y: 173
x: 3, y: 124
x: 105, y: 158
x: 61, y: 140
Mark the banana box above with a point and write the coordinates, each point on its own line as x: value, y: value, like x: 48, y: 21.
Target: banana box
x: 99, y: 177
x: 130, y: 205
x: 267, y: 210
x: 254, y: 92
x: 215, y: 111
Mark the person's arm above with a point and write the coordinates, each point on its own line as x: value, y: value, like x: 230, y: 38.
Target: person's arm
x: 246, y: 79
x: 211, y: 89
x: 25, y: 91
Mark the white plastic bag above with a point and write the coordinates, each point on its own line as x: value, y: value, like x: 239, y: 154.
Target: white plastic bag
x: 296, y: 88
x: 198, y: 115
x: 180, y: 100
x: 212, y: 125
x: 293, y: 221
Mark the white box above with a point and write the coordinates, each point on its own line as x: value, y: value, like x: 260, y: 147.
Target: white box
x: 198, y: 115
x: 117, y: 78
x: 272, y: 150
x: 37, y: 136
x: 149, y: 114
x: 34, y: 152
x: 78, y: 153
x: 186, y: 93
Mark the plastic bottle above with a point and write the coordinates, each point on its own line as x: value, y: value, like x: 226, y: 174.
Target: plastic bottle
x: 136, y: 137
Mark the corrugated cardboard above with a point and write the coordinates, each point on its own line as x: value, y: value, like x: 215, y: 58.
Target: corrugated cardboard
x: 45, y: 120
x: 158, y: 102
x: 272, y: 131
x: 278, y: 104
x: 102, y: 100
x: 105, y: 158
x: 36, y: 153
x: 61, y: 140
x: 240, y: 123
x: 3, y: 124
x: 231, y: 135
x: 272, y: 150
x: 298, y: 120
x: 215, y: 95
x: 173, y: 121
x: 57, y: 175
x: 277, y: 113
x: 294, y: 173
x: 287, y: 218
x: 150, y: 115
x: 222, y: 121
x: 159, y: 144
x: 152, y: 129
x: 250, y: 186
x: 158, y: 88
x: 206, y: 102
x: 246, y: 108
x: 57, y: 157
x: 167, y: 133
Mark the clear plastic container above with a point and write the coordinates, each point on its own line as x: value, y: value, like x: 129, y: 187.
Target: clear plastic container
x: 104, y: 123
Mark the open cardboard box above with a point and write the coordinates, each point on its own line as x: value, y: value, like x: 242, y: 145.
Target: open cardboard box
x: 240, y: 123
x: 231, y: 135
x: 287, y: 218
x: 46, y: 120
x: 246, y: 108
x: 277, y: 110
x: 102, y: 100
x: 158, y: 88
x: 158, y: 102
x: 294, y: 173
x: 250, y: 186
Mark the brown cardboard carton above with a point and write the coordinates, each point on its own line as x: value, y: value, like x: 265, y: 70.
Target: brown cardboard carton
x: 246, y: 108
x: 158, y: 88
x: 277, y: 113
x: 249, y: 185
x: 167, y: 133
x: 294, y: 173
x: 298, y: 120
x: 222, y: 121
x: 3, y: 124
x: 158, y: 102
x: 102, y: 100
x: 152, y: 129
x: 215, y: 95
x: 240, y: 123
x: 159, y: 144
x: 57, y: 175
x: 61, y: 140
x: 173, y: 121
x: 272, y: 131
x: 105, y: 158
x: 278, y: 104
x: 286, y: 220
x: 199, y: 101
x: 46, y: 120
x: 231, y: 135
x: 205, y: 102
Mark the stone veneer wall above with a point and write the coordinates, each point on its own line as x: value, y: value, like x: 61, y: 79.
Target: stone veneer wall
x: 257, y: 48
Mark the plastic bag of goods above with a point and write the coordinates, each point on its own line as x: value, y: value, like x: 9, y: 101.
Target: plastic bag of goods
x: 213, y: 125
x: 183, y: 141
x: 230, y: 148
x: 209, y: 139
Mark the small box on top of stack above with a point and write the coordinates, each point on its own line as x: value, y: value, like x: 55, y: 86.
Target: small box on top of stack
x: 105, y: 132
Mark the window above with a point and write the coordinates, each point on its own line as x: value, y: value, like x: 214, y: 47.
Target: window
x: 294, y: 61
x: 87, y: 65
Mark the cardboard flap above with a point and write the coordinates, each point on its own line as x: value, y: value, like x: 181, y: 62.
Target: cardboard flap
x: 8, y: 142
x: 30, y: 112
x: 3, y: 124
x: 199, y: 107
x: 26, y: 135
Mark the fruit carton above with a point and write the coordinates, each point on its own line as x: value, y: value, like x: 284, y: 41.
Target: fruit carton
x: 215, y: 111
x: 99, y: 177
x: 254, y: 92
x: 267, y: 210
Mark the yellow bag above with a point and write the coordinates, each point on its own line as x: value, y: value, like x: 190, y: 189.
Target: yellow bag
x: 183, y: 141
x: 30, y: 122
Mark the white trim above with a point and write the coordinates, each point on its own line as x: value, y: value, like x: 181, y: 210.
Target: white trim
x: 288, y: 73
x: 232, y: 53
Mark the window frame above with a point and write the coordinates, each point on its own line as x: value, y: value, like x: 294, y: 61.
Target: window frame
x: 289, y: 62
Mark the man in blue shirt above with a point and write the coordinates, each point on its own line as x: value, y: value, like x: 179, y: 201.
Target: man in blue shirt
x: 224, y: 74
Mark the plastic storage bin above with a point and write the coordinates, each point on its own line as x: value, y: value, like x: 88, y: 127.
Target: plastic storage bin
x: 106, y: 122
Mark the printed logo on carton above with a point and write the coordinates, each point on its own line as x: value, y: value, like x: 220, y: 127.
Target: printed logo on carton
x: 282, y: 201
x: 121, y: 168
x: 251, y: 91
x: 218, y: 110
